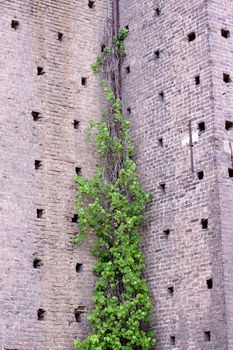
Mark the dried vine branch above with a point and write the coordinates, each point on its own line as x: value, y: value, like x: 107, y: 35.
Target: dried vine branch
x: 111, y: 205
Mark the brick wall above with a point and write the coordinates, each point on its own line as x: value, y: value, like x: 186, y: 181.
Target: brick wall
x: 170, y: 85
x: 177, y: 52
x: 38, y: 261
x: 221, y: 27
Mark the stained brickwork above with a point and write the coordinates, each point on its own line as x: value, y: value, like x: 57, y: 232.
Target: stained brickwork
x: 40, y: 287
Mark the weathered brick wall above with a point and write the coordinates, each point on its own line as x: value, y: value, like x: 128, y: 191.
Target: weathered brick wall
x: 221, y: 29
x: 162, y: 95
x: 187, y: 314
x: 52, y: 284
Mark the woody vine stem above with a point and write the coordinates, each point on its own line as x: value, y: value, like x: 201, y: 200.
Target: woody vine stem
x: 110, y: 205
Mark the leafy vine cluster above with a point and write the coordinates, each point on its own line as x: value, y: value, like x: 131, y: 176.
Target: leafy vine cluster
x: 110, y: 205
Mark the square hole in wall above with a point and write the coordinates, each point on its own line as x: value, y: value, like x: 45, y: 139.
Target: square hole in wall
x: 76, y: 124
x: 127, y: 69
x: 128, y: 110
x: 161, y: 96
x: 84, y: 81
x: 37, y: 263
x: 103, y: 47
x: 201, y: 128
x: 78, y: 170
x: 36, y: 116
x: 200, y: 175
x: 204, y: 224
x: 38, y: 164
x: 163, y: 186
x: 79, y: 267
x: 226, y: 78
x: 209, y: 283
x: 14, y: 24
x: 170, y: 290
x: 60, y: 36
x: 41, y: 314
x: 160, y: 141
x: 157, y: 12
x: 39, y: 213
x: 127, y: 27
x: 78, y: 313
x: 91, y: 4
x: 207, y: 336
x: 230, y: 172
x: 225, y: 33
x: 173, y: 340
x: 228, y: 125
x: 157, y: 54
x: 166, y: 233
x: 191, y: 36
x: 197, y: 80
x: 40, y: 71
x: 78, y: 316
x: 75, y: 218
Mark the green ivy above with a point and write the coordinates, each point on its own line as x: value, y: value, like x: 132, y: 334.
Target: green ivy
x: 100, y: 60
x: 119, y: 41
x: 110, y: 205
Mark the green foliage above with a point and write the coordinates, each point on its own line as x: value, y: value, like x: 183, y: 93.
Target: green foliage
x: 110, y: 205
x: 119, y: 48
x: 98, y: 63
x: 119, y: 41
x: 100, y: 60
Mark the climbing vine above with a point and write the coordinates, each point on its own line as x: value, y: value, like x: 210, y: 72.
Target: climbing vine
x: 110, y: 205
